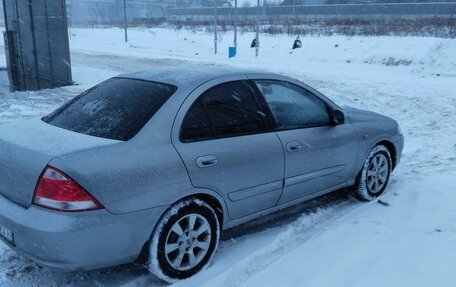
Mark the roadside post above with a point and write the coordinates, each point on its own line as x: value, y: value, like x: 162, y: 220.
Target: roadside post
x: 125, y: 21
x: 215, y: 27
x: 257, y: 36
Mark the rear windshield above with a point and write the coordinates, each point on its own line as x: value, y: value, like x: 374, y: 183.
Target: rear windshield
x: 116, y: 109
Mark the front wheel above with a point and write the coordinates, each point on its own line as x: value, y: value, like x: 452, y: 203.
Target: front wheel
x: 374, y: 176
x: 184, y: 241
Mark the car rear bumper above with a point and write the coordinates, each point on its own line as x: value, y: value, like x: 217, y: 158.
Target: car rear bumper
x: 77, y: 241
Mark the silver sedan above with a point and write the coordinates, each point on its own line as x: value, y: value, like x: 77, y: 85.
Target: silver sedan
x: 158, y: 163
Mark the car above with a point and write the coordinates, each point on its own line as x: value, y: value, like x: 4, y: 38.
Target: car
x: 158, y: 163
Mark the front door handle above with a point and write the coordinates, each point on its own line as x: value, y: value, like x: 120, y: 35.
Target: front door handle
x: 293, y: 146
x: 206, y: 161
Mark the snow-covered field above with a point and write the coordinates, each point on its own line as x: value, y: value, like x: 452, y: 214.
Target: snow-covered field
x: 332, y: 241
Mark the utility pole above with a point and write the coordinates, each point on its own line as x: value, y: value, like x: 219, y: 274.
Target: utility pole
x: 257, y: 36
x: 148, y: 10
x: 235, y: 22
x: 294, y: 10
x: 215, y: 27
x: 264, y: 10
x: 125, y: 21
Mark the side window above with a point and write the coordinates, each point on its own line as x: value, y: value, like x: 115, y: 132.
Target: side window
x: 226, y: 110
x: 196, y: 124
x: 292, y: 106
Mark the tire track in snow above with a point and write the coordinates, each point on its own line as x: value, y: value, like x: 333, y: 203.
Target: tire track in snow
x: 288, y: 229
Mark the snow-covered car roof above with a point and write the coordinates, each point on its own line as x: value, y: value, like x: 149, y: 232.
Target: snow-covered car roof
x: 187, y: 75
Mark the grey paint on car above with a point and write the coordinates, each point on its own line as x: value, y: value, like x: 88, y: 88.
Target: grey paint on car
x: 137, y: 180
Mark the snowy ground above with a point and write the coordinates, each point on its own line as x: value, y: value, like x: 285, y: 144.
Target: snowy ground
x: 332, y: 241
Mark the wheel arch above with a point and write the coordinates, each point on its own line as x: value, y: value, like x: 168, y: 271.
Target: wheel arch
x: 213, y: 202
x: 392, y: 150
x: 216, y: 203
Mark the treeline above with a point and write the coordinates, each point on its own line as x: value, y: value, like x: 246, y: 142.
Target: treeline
x: 434, y: 27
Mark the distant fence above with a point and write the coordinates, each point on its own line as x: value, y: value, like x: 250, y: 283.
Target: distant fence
x: 111, y: 12
x: 318, y: 12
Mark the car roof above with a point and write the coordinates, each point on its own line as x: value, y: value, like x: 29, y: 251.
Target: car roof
x: 188, y: 75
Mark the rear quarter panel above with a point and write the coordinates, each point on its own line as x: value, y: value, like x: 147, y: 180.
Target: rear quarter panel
x: 126, y: 177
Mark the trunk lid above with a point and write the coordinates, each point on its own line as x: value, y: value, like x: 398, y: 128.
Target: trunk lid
x: 27, y: 147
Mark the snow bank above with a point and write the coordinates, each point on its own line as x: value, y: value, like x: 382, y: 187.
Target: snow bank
x: 434, y: 55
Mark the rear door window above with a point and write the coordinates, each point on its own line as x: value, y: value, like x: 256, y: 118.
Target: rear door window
x: 116, y: 109
x: 226, y: 110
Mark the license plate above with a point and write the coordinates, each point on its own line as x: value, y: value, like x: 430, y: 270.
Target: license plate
x: 6, y: 233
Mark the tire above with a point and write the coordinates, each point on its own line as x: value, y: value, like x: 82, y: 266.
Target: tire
x: 374, y: 177
x: 178, y: 250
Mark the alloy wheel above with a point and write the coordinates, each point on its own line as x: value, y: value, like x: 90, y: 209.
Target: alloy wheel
x: 188, y: 241
x: 377, y: 173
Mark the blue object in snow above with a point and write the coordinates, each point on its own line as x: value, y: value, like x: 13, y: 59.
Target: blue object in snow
x: 231, y: 52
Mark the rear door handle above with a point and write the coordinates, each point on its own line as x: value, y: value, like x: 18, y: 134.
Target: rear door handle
x: 206, y: 161
x: 293, y: 146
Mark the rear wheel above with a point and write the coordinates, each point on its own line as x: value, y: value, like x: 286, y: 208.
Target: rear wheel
x: 184, y: 240
x: 374, y: 176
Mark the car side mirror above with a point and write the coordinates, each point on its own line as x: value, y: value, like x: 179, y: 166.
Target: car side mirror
x: 338, y: 117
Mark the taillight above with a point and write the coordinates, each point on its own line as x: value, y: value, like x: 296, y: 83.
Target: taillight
x: 56, y: 190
